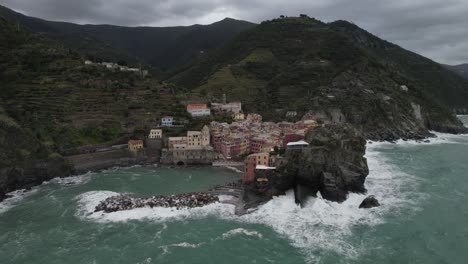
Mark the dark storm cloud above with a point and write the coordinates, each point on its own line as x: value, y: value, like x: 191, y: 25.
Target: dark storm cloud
x: 437, y: 29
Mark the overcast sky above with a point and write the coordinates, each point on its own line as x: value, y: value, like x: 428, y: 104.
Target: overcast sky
x: 437, y: 29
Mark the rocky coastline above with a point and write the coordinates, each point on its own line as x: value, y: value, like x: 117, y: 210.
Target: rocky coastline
x: 333, y: 164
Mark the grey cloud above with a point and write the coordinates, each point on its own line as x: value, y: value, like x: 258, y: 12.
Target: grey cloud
x: 437, y: 29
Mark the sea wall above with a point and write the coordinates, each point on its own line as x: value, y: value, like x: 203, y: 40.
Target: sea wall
x: 103, y: 160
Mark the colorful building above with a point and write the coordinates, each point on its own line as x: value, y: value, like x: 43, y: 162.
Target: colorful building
x: 238, y: 116
x: 254, y: 118
x: 167, y: 121
x: 251, y: 163
x: 194, y: 139
x: 205, y: 136
x: 256, y: 144
x: 155, y: 134
x: 249, y: 169
x: 197, y: 110
x: 176, y: 140
x: 135, y: 145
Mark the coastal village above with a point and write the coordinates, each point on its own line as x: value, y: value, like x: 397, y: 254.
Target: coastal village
x: 247, y: 143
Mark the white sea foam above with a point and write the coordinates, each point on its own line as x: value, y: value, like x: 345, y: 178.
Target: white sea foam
x: 88, y: 201
x: 166, y: 248
x: 441, y: 138
x: 241, y: 231
x: 72, y: 180
x: 15, y: 199
x: 320, y: 226
x: 224, y: 198
x: 233, y: 169
x: 19, y: 195
x: 325, y: 225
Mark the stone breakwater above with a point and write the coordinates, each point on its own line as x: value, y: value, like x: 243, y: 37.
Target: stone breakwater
x: 186, y: 200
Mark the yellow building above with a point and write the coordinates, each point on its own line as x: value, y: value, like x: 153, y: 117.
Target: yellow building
x: 205, y: 136
x: 194, y: 139
x: 135, y: 145
x: 262, y: 158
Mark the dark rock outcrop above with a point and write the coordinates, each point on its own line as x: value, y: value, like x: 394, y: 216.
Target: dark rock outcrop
x: 333, y: 164
x: 369, y: 202
x: 25, y: 176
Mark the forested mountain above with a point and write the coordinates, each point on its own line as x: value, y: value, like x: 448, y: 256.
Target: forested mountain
x: 50, y: 101
x: 161, y: 47
x: 336, y: 69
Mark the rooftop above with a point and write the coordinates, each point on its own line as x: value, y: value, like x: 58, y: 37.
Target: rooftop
x: 196, y: 106
x: 263, y: 167
x: 298, y: 143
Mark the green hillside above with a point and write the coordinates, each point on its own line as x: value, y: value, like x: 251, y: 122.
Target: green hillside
x: 52, y: 102
x: 439, y: 83
x: 303, y: 64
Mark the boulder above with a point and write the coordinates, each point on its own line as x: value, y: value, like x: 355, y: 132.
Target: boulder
x: 369, y: 202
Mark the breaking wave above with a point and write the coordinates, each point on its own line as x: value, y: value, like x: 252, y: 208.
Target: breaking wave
x: 166, y: 248
x: 15, y: 199
x: 72, y: 180
x: 241, y: 231
x: 87, y: 202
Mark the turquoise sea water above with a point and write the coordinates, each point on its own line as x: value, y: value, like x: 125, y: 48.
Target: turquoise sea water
x: 423, y: 189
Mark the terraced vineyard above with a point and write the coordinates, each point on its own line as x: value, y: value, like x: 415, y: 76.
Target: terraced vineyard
x: 49, y: 94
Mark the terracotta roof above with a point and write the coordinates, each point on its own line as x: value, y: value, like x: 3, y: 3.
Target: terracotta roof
x: 196, y: 106
x: 133, y: 141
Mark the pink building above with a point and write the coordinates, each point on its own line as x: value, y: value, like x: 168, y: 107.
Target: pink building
x: 256, y: 144
x: 249, y: 169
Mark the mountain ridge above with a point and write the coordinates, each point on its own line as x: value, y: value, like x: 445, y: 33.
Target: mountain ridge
x: 302, y: 64
x: 161, y: 47
x: 461, y: 69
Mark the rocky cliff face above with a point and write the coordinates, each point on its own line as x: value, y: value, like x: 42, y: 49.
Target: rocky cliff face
x: 25, y: 176
x: 333, y: 164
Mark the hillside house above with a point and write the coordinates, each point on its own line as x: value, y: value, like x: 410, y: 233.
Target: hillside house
x: 135, y: 145
x: 167, y: 121
x: 291, y: 114
x: 155, y: 134
x: 198, y: 110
